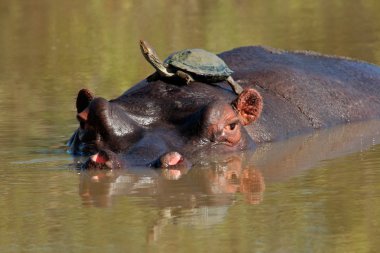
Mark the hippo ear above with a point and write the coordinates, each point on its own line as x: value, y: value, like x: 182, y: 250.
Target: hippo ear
x: 248, y: 106
x: 83, y: 99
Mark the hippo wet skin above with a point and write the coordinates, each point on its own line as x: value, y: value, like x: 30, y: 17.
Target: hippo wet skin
x: 165, y: 124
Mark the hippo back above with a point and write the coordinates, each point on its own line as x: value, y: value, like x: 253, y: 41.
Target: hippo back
x: 303, y: 91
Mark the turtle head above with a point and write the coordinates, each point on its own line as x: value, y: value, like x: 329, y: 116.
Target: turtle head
x: 151, y: 56
x: 146, y: 49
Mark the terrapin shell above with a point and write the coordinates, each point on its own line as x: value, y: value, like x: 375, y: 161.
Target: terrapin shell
x: 201, y: 63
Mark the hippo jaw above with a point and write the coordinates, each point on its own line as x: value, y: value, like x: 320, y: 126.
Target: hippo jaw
x: 116, y: 140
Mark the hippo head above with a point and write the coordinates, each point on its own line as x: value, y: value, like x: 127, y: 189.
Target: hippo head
x: 163, y: 125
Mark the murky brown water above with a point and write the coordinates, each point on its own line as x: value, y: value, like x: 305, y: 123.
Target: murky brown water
x: 314, y: 193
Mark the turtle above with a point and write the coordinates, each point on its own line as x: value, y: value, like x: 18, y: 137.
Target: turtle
x: 190, y: 65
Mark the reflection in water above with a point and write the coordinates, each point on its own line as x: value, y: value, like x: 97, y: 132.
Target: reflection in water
x: 207, y: 185
x: 203, y: 195
x: 283, y: 160
x: 200, y: 197
x: 227, y: 174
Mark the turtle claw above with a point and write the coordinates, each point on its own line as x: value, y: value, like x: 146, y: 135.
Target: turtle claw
x: 189, y: 80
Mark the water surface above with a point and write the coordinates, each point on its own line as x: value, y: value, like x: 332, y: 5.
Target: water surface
x: 313, y: 193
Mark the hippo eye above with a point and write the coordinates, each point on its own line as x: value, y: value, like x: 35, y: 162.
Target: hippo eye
x: 231, y: 126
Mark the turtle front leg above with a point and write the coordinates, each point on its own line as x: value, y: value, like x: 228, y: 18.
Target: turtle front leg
x: 234, y: 85
x: 185, y: 76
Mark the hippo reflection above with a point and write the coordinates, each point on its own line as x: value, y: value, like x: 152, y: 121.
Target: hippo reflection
x: 212, y: 185
x: 166, y: 125
x: 203, y: 195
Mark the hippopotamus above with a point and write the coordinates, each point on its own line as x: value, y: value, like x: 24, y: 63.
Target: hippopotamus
x: 164, y: 124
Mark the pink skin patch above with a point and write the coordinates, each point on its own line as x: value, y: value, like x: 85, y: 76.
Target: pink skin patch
x: 174, y: 158
x: 173, y: 165
x: 83, y: 115
x: 171, y: 159
x: 98, y: 158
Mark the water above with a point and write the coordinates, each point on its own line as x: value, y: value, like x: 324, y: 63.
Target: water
x: 312, y: 193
